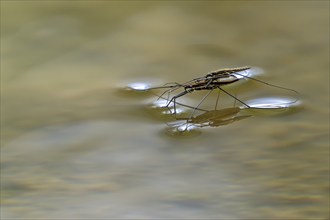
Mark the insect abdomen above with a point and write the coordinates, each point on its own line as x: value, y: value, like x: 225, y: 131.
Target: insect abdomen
x: 227, y: 71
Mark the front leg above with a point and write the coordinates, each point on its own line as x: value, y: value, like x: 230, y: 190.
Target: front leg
x: 187, y: 90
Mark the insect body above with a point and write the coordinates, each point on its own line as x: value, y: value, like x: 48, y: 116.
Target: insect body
x: 222, y: 73
x: 211, y: 81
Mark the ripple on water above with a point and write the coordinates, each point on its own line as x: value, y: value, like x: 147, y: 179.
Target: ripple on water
x: 272, y: 106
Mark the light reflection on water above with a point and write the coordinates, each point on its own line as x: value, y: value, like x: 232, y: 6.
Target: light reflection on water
x: 137, y: 86
x: 273, y: 103
x: 75, y: 147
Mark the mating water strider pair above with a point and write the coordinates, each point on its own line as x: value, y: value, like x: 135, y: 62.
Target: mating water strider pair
x: 216, y: 80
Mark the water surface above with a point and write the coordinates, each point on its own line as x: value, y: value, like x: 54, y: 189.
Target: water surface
x: 75, y: 145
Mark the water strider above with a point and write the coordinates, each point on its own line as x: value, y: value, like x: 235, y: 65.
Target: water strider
x: 216, y: 80
x: 211, y: 81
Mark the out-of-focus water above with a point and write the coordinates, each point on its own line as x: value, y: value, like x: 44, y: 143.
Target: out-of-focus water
x: 75, y: 145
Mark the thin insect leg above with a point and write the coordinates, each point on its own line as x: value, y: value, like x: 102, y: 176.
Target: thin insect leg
x: 169, y: 90
x: 174, y: 84
x: 167, y: 86
x: 177, y: 86
x: 173, y: 99
x: 200, y: 103
x: 216, y: 104
x: 234, y: 97
x: 162, y: 87
x: 160, y: 96
x: 235, y: 100
x: 209, y: 82
x: 168, y: 96
x: 269, y: 84
x: 280, y: 87
x: 187, y: 125
x: 184, y: 105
